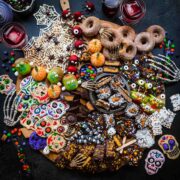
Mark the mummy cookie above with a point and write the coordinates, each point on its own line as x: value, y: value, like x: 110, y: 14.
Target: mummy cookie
x: 132, y: 110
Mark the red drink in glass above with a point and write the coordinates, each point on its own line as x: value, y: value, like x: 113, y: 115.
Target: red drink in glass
x: 14, y: 35
x: 132, y: 11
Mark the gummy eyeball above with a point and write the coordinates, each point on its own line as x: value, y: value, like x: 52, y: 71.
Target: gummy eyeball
x: 162, y: 96
x: 148, y: 85
x: 133, y: 85
x: 126, y: 67
x: 141, y: 82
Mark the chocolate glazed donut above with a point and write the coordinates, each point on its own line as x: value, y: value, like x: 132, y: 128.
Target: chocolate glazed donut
x: 110, y: 38
x: 127, y: 50
x: 144, y: 42
x: 157, y: 32
x: 91, y: 26
x: 127, y: 33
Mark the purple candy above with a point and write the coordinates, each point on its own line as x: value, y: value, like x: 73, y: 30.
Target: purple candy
x: 36, y: 142
x: 171, y: 142
x: 165, y: 146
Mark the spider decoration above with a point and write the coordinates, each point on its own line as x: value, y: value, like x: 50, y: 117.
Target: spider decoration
x: 89, y: 7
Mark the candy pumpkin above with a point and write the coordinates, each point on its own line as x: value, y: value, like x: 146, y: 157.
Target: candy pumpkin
x: 39, y: 73
x: 22, y: 66
x: 94, y: 46
x: 54, y: 91
x: 55, y: 75
x: 97, y: 59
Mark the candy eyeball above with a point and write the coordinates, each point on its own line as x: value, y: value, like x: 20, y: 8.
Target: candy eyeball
x: 148, y: 85
x: 136, y: 61
x: 162, y: 96
x: 147, y: 108
x: 133, y: 85
x: 126, y: 68
x: 141, y: 82
x: 75, y: 31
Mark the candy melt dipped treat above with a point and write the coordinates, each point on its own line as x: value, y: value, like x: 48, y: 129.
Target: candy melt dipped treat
x: 55, y: 75
x: 70, y: 82
x: 22, y: 66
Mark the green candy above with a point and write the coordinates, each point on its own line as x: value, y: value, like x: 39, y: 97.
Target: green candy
x: 70, y: 82
x: 8, y: 134
x: 172, y: 46
x: 13, y: 69
x: 12, y: 59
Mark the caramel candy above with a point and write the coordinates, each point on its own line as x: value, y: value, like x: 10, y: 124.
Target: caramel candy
x: 112, y: 63
x: 117, y: 140
x: 110, y: 149
x: 110, y: 69
x: 99, y: 152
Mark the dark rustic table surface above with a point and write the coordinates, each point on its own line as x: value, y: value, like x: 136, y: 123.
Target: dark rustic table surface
x: 163, y: 12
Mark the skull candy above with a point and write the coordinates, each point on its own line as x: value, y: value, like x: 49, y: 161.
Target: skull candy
x: 170, y: 146
x: 154, y: 161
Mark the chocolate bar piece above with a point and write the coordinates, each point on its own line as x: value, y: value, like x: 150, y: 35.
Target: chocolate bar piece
x: 112, y: 63
x: 110, y: 69
x: 110, y: 148
x: 103, y: 104
x: 99, y: 153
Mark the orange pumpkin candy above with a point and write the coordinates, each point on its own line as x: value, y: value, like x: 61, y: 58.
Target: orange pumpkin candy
x: 39, y: 73
x: 97, y: 59
x: 94, y: 46
x: 54, y: 91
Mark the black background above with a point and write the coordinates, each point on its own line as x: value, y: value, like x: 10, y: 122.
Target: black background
x: 163, y: 12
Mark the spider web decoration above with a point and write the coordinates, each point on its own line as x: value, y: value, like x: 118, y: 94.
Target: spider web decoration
x: 53, y: 46
x: 45, y: 14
